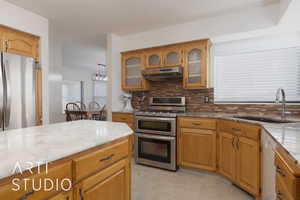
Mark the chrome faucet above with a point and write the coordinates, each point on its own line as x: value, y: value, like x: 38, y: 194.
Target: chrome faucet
x: 283, y: 102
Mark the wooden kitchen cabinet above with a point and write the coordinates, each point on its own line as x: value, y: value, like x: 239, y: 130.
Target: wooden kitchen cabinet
x: 173, y: 56
x: 111, y: 183
x: 20, y: 43
x: 227, y: 155
x: 1, y: 41
x: 132, y: 66
x: 239, y: 154
x: 127, y: 118
x: 63, y: 196
x: 248, y: 165
x: 154, y: 58
x: 198, y: 148
x: 196, y: 57
x: 192, y: 56
x: 197, y: 141
x: 287, y: 176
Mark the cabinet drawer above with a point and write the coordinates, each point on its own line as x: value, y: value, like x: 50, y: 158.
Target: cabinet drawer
x: 60, y: 175
x: 287, y: 179
x: 197, y: 123
x: 238, y: 128
x: 93, y: 162
x: 123, y: 117
x: 281, y: 192
x: 230, y: 127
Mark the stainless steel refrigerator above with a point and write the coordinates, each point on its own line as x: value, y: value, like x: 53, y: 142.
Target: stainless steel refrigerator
x: 17, y: 91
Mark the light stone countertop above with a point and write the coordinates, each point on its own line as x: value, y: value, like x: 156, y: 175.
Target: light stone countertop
x: 52, y: 142
x: 286, y: 134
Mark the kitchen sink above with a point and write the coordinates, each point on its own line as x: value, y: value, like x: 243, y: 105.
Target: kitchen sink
x: 263, y: 119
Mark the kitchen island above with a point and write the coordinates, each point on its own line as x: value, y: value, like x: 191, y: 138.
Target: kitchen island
x: 72, y: 160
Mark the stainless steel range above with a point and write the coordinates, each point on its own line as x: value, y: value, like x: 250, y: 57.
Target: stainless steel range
x: 155, y: 138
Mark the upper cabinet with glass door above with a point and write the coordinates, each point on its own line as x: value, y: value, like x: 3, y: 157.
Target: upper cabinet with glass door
x: 154, y: 58
x: 173, y: 56
x: 132, y: 66
x: 196, y: 57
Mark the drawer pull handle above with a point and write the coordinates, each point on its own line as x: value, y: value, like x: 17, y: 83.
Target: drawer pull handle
x: 107, y: 157
x: 196, y: 124
x: 278, y: 170
x: 279, y: 196
x: 236, y: 129
x: 27, y: 195
x: 123, y: 119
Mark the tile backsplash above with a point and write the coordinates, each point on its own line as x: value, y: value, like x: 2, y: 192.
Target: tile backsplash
x: 196, y: 101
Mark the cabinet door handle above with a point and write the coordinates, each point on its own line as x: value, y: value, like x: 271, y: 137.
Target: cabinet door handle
x: 107, y: 157
x: 27, y: 195
x: 232, y: 143
x: 278, y: 170
x: 279, y: 196
x: 196, y: 124
x: 237, y: 143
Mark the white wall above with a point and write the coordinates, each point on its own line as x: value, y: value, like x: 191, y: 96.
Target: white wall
x: 237, y: 22
x: 55, y: 75
x: 81, y: 74
x: 114, y: 74
x: 70, y: 62
x: 21, y: 19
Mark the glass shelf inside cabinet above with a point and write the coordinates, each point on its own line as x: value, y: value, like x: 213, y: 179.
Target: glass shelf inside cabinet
x: 194, y: 66
x: 133, y: 71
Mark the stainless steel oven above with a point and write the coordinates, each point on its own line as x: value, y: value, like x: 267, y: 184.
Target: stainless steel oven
x: 155, y: 150
x: 156, y: 125
x: 155, y: 138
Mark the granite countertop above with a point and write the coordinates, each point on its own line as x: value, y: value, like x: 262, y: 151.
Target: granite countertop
x: 285, y: 134
x: 52, y: 142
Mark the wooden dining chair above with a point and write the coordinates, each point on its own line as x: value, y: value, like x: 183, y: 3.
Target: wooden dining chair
x: 81, y: 105
x: 73, y: 112
x: 94, y: 105
x: 103, y: 113
x: 96, y: 108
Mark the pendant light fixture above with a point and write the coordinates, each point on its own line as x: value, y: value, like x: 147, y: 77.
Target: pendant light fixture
x: 101, y: 74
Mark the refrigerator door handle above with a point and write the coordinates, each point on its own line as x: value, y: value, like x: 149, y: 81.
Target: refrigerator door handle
x: 7, y: 100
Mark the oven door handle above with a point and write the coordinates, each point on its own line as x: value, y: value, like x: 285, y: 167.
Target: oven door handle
x: 159, y: 137
x: 163, y: 119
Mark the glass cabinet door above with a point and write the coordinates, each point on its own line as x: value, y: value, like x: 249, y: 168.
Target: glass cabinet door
x: 154, y: 59
x: 195, y: 69
x: 173, y: 57
x: 132, y: 77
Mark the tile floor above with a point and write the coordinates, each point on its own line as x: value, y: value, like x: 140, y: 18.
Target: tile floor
x: 156, y: 184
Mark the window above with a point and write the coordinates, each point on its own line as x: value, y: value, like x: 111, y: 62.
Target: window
x: 72, y: 91
x: 100, y: 92
x: 255, y: 76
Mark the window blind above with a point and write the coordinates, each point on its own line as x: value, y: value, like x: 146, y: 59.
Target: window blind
x: 254, y: 77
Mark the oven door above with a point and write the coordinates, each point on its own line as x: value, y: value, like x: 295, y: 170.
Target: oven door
x: 156, y: 125
x: 157, y: 151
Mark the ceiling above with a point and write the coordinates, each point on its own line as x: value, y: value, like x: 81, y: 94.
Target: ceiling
x: 94, y: 18
x: 87, y: 21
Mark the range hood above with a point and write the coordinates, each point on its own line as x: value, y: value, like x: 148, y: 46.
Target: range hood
x: 162, y: 74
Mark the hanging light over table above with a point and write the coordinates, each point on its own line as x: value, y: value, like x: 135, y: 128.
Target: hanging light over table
x: 101, y: 74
